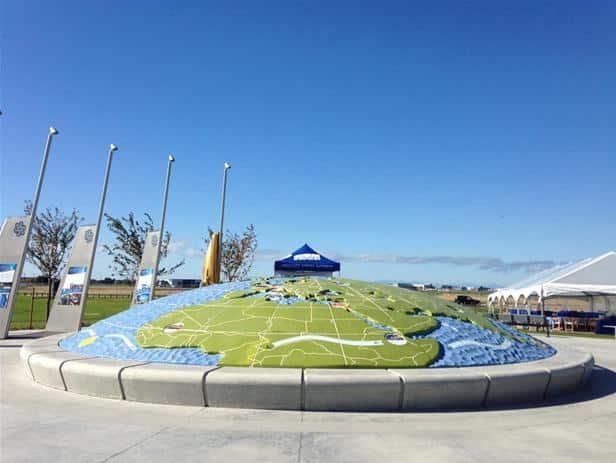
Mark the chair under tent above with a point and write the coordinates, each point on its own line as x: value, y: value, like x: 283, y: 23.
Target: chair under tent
x: 591, y: 283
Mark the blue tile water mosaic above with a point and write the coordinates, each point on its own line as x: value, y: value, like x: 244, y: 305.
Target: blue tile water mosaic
x: 466, y: 344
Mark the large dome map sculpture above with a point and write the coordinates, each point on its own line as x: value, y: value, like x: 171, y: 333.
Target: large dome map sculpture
x: 309, y: 323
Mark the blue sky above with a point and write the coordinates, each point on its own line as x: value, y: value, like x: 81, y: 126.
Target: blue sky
x: 464, y: 143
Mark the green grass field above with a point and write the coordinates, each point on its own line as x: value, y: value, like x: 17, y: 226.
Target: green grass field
x: 336, y: 323
x: 96, y: 309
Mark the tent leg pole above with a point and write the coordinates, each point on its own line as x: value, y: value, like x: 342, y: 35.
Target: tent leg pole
x: 545, y: 319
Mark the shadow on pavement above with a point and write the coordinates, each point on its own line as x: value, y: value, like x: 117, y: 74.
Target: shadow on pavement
x: 17, y: 338
x: 602, y: 383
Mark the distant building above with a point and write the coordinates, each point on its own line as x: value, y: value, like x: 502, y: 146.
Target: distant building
x: 411, y: 286
x: 180, y: 283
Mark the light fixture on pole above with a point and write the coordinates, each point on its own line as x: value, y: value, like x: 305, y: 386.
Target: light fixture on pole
x: 84, y: 295
x: 227, y: 166
x: 170, y: 161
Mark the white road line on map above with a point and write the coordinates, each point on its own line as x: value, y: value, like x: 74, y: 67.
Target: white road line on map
x: 506, y: 344
x: 317, y: 337
x: 371, y: 301
x: 127, y: 341
x: 261, y: 335
x: 338, y: 334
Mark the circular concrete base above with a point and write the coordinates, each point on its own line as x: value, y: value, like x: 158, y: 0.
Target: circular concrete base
x: 308, y: 388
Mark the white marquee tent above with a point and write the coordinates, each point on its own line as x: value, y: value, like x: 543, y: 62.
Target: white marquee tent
x: 594, y: 279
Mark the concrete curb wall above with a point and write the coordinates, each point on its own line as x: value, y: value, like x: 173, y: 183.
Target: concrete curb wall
x: 310, y: 388
x: 47, y: 344
x: 351, y: 390
x: 165, y: 383
x: 267, y: 388
x: 434, y: 390
x: 95, y: 376
x: 519, y: 385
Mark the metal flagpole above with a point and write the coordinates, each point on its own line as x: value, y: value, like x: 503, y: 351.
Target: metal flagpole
x: 163, y: 214
x: 37, y: 193
x: 227, y: 166
x: 101, y: 208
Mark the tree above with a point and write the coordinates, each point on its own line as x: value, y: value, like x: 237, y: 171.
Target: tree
x: 238, y: 253
x: 127, y: 248
x: 52, y: 235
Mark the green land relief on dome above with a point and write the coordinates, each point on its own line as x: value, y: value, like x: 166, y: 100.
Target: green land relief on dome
x: 332, y: 325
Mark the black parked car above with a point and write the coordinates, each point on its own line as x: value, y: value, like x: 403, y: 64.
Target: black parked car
x: 466, y: 300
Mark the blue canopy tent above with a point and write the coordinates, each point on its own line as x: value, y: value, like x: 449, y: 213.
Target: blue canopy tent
x: 305, y: 261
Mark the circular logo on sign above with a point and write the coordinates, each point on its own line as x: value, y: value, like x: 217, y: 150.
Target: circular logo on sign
x: 154, y: 240
x: 19, y: 229
x: 89, y: 236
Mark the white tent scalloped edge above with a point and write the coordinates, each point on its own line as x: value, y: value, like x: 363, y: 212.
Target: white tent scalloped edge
x: 591, y: 278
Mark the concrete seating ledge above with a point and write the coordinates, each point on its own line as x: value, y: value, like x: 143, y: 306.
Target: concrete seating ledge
x: 307, y: 389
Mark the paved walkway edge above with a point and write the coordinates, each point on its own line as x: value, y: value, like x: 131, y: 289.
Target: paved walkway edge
x: 307, y: 389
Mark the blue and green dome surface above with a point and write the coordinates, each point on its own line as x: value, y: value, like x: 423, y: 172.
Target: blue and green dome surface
x: 306, y: 322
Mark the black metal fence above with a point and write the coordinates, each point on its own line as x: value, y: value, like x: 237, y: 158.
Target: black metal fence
x: 31, y: 308
x: 43, y: 295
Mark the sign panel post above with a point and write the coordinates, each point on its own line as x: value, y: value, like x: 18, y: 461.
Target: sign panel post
x: 13, y: 247
x: 80, y: 270
x: 148, y: 270
x: 67, y: 310
x: 5, y: 319
x: 146, y: 277
x: 221, y: 231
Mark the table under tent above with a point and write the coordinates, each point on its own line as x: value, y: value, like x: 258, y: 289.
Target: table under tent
x: 574, y: 297
x: 305, y: 261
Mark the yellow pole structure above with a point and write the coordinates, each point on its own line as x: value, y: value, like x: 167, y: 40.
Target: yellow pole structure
x: 211, y: 263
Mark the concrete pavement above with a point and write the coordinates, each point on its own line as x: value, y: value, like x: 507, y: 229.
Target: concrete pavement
x: 41, y: 424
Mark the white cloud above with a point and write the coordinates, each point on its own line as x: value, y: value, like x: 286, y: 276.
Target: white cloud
x: 490, y: 264
x: 177, y: 246
x: 268, y: 254
x: 192, y: 252
x: 183, y: 248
